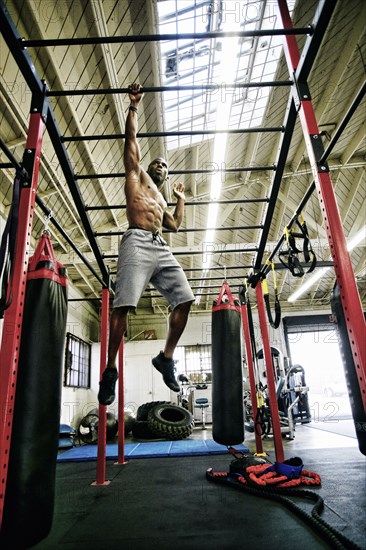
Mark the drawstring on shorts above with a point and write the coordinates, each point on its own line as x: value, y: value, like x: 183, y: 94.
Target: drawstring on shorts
x: 156, y: 237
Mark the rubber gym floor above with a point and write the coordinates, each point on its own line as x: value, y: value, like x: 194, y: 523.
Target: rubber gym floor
x: 168, y: 503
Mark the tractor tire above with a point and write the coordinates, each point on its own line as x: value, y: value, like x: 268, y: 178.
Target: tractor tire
x: 143, y: 410
x: 170, y: 421
x: 141, y: 431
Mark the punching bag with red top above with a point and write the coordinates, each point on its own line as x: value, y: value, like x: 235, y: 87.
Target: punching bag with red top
x: 227, y: 371
x: 30, y: 488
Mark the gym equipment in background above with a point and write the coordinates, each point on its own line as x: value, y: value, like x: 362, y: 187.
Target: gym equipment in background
x: 88, y: 427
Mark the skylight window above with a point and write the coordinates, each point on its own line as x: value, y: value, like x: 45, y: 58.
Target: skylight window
x: 198, y: 62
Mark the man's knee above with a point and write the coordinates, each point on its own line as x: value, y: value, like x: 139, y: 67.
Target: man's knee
x: 184, y: 307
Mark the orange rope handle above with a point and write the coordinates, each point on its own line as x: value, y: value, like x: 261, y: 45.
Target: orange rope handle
x: 310, y: 478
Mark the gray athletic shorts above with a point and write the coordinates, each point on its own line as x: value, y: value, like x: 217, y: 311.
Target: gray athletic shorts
x: 143, y: 258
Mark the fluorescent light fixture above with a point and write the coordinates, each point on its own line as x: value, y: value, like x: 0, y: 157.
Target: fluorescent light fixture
x: 354, y: 241
x: 357, y: 239
x: 228, y: 67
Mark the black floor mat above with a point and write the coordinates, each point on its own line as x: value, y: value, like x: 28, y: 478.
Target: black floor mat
x: 167, y: 503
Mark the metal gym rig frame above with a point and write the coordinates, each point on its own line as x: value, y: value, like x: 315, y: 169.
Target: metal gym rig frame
x: 42, y: 117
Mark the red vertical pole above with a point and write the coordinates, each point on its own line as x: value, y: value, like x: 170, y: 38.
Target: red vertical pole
x: 350, y: 298
x: 102, y: 422
x: 270, y: 375
x: 11, y: 335
x: 121, y: 405
x: 253, y: 389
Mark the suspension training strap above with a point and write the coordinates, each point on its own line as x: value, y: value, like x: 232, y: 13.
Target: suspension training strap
x: 276, y: 322
x: 290, y: 257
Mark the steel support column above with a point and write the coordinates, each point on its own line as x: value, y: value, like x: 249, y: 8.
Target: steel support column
x: 275, y: 417
x: 12, y: 327
x: 252, y: 381
x: 121, y: 404
x: 102, y: 423
x: 350, y: 298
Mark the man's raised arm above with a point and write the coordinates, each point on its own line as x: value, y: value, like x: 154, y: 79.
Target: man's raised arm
x: 131, y: 153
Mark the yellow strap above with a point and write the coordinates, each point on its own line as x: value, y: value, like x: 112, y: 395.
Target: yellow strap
x: 286, y: 232
x: 260, y: 400
x: 300, y: 217
x: 274, y: 276
x: 265, y: 286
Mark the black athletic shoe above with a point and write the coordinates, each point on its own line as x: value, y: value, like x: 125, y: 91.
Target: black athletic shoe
x: 107, y: 386
x: 166, y: 367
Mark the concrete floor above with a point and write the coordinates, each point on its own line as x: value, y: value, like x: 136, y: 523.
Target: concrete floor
x: 314, y: 435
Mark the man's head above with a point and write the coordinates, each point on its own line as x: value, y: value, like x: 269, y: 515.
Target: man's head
x: 158, y: 171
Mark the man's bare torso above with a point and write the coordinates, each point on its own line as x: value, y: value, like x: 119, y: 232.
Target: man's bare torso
x: 145, y: 203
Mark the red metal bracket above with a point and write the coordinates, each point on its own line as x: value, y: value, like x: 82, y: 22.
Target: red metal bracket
x: 253, y: 389
x: 276, y: 426
x: 102, y: 423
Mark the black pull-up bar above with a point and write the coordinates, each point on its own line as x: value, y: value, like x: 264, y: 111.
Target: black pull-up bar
x: 195, y: 88
x: 99, y: 137
x: 161, y: 37
x: 184, y: 230
x: 207, y: 252
x: 187, y: 203
x: 181, y: 172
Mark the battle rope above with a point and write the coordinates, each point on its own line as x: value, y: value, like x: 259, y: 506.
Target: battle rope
x: 275, y: 323
x: 258, y: 479
x: 290, y: 257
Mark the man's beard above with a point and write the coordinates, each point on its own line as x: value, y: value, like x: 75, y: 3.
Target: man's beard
x: 158, y: 179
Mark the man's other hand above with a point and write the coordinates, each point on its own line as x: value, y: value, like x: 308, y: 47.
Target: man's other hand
x: 178, y: 190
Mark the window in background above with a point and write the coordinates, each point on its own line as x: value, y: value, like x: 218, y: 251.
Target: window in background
x: 194, y: 362
x: 77, y: 362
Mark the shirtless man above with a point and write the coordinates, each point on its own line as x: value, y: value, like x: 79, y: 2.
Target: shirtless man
x: 145, y: 257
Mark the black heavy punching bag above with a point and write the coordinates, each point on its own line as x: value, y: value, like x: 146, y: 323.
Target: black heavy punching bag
x: 29, y: 497
x: 354, y: 392
x: 227, y: 373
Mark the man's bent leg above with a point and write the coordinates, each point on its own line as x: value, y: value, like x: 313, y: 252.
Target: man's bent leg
x: 164, y: 361
x: 177, y: 323
x: 117, y: 328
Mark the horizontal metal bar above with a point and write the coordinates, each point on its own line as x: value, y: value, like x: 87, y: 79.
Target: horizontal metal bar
x: 187, y: 203
x: 208, y: 287
x: 201, y: 295
x: 13, y: 161
x: 180, y: 172
x: 196, y: 252
x: 100, y: 137
x: 218, y: 268
x: 278, y: 267
x: 184, y: 230
x: 228, y: 277
x: 195, y: 88
x: 85, y: 300
x: 161, y: 37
